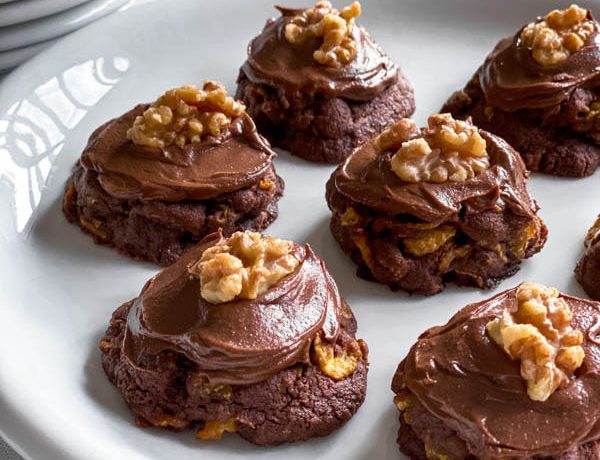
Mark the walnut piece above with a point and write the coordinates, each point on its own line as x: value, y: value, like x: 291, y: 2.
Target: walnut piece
x: 185, y: 115
x: 539, y: 334
x: 333, y: 26
x: 338, y: 365
x: 558, y: 35
x: 447, y: 150
x: 593, y: 234
x: 393, y: 137
x: 243, y: 266
x: 213, y: 429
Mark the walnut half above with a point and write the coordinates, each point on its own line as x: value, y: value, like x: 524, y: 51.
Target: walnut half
x: 243, y: 266
x: 558, y: 35
x: 447, y: 150
x: 593, y: 234
x: 185, y: 115
x: 333, y: 26
x: 539, y: 334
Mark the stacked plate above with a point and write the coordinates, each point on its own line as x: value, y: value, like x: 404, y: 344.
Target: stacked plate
x: 28, y: 26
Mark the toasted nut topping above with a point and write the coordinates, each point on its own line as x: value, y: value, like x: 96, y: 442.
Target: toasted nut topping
x: 448, y: 150
x: 593, y: 234
x: 393, y: 137
x: 213, y: 430
x: 185, y: 115
x: 338, y: 366
x: 333, y: 26
x: 243, y: 266
x: 540, y: 335
x: 558, y: 35
x: 430, y: 242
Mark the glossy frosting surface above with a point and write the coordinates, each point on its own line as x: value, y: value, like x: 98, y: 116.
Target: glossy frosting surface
x: 238, y: 342
x: 512, y: 80
x: 275, y: 62
x: 198, y: 171
x: 366, y: 177
x: 460, y: 375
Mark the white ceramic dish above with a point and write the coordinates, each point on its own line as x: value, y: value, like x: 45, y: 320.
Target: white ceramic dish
x: 28, y: 10
x: 12, y: 58
x: 58, y: 289
x: 20, y: 35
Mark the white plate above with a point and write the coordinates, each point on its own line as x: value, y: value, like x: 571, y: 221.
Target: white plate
x: 12, y: 58
x: 28, y: 10
x: 20, y: 35
x: 58, y: 289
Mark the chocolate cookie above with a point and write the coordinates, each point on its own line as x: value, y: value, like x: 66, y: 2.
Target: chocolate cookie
x: 516, y: 376
x: 587, y: 271
x: 248, y: 335
x: 415, y: 208
x: 156, y: 180
x: 543, y: 101
x: 317, y: 97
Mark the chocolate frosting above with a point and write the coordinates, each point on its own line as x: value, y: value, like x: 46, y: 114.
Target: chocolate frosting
x: 275, y: 62
x: 366, y: 177
x: 238, y: 342
x: 198, y: 171
x: 512, y: 80
x: 462, y: 377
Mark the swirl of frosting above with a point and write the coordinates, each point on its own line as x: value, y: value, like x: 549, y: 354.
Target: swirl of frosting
x: 239, y: 342
x: 197, y: 171
x: 468, y: 382
x: 511, y: 79
x: 366, y: 177
x: 275, y: 62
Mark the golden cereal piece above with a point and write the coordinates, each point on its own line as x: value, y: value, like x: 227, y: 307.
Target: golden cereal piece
x: 243, y: 266
x: 94, y: 227
x: 213, y: 429
x: 403, y: 401
x: 447, y: 150
x: 333, y: 26
x: 453, y: 254
x: 268, y: 185
x: 560, y: 34
x: 218, y: 391
x: 362, y: 243
x: 185, y: 115
x: 540, y: 335
x: 350, y: 217
x: 337, y: 366
x: 433, y: 455
x: 430, y: 242
x: 519, y: 246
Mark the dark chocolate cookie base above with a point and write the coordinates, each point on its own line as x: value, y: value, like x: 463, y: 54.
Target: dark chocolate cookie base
x: 293, y: 405
x: 545, y: 148
x: 423, y: 425
x: 483, y: 267
x: 587, y: 271
x: 320, y: 129
x: 160, y: 232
